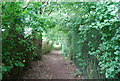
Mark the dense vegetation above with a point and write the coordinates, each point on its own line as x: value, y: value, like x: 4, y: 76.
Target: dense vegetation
x: 22, y: 27
x: 89, y: 34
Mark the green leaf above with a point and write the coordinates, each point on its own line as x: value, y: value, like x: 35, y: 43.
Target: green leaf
x: 4, y: 68
x: 21, y: 64
x: 16, y: 64
x: 117, y: 53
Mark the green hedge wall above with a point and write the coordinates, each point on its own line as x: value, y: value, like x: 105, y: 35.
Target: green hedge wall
x: 95, y: 37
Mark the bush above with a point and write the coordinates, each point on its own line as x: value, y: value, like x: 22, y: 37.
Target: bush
x: 46, y: 47
x: 94, y: 40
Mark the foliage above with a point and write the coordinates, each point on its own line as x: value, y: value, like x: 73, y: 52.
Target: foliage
x: 46, y: 47
x: 19, y: 45
x: 90, y: 36
x: 89, y: 33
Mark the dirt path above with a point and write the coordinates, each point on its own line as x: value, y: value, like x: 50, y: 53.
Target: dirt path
x: 53, y: 66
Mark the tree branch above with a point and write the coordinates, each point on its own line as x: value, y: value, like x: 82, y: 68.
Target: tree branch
x: 50, y: 12
x: 45, y: 7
